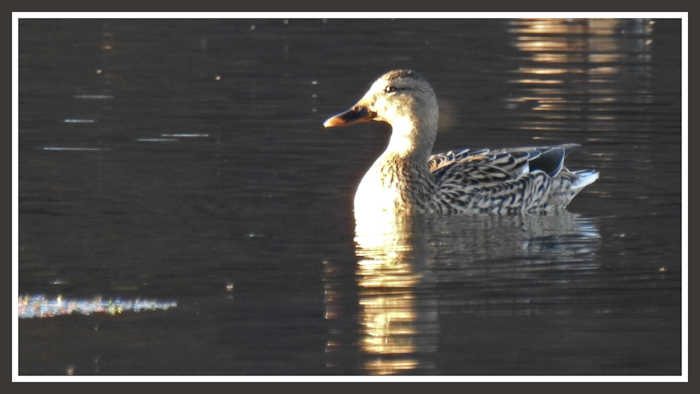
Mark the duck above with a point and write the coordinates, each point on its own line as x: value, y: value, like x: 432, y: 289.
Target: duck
x: 408, y: 177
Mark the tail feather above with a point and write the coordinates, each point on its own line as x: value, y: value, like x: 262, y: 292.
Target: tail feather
x: 584, y: 178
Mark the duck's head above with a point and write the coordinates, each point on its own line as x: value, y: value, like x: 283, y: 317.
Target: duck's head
x: 402, y: 98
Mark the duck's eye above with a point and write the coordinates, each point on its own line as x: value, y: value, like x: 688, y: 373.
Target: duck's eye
x: 390, y: 89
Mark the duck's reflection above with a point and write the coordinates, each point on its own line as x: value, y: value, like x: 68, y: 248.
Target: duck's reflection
x: 398, y: 307
x: 517, y: 265
x: 411, y: 268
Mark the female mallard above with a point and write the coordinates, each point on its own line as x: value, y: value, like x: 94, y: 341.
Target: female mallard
x: 407, y: 177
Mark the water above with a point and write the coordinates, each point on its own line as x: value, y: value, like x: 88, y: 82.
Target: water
x: 184, y: 161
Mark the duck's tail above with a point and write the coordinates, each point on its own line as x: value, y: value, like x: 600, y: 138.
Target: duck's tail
x: 584, y: 178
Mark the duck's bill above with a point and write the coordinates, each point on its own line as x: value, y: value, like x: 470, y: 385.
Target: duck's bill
x: 356, y: 114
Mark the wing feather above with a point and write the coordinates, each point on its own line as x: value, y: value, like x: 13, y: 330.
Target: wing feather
x: 474, y: 167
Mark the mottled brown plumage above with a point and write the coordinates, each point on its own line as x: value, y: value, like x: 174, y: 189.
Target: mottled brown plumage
x: 407, y: 177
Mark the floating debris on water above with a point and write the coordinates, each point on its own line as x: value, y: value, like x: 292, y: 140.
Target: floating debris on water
x: 72, y: 148
x: 93, y: 96
x: 185, y: 135
x: 40, y: 306
x: 79, y: 120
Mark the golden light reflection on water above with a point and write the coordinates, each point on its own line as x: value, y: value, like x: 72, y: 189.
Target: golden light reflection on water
x: 599, y: 27
x: 382, y: 367
x: 576, y: 64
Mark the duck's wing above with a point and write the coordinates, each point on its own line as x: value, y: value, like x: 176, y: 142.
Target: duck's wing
x: 474, y: 167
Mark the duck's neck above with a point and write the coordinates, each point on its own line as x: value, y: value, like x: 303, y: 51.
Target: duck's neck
x: 400, y: 177
x: 411, y: 142
x: 404, y: 165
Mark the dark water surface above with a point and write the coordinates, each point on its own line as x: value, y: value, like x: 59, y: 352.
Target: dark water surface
x: 185, y: 161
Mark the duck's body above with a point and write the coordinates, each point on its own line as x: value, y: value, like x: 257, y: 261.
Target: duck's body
x: 407, y: 177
